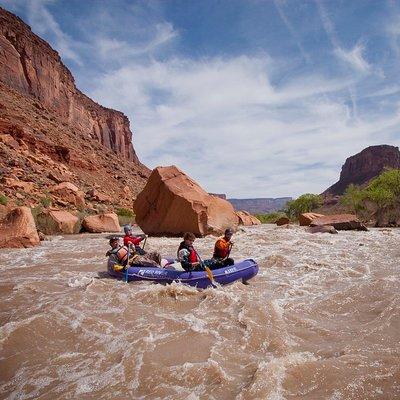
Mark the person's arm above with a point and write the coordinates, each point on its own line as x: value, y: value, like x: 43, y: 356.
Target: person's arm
x: 135, y: 240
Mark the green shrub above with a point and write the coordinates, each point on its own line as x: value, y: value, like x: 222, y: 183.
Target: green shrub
x: 380, y: 200
x: 125, y: 212
x: 305, y: 203
x: 270, y: 218
x: 125, y: 216
x: 45, y: 202
x: 3, y: 200
x: 353, y: 198
x: 384, y: 190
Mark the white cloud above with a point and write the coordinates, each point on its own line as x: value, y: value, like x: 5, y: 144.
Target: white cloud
x: 109, y: 47
x: 248, y: 125
x: 225, y: 124
x: 279, y: 6
x: 43, y: 23
x: 354, y: 58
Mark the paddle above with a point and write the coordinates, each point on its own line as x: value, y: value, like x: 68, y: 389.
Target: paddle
x: 127, y: 264
x: 229, y: 251
x: 207, y: 269
x: 144, y: 244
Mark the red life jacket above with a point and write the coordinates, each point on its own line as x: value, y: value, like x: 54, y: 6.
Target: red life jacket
x: 192, y: 255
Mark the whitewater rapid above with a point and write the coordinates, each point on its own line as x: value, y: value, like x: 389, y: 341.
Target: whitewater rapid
x: 321, y: 320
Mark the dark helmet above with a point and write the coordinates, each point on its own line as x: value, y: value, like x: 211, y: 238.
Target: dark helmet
x: 113, y: 239
x: 228, y: 231
x: 127, y: 228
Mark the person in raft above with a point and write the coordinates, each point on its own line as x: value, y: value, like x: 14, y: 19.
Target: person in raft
x: 118, y: 257
x: 222, y: 250
x: 188, y: 256
x: 129, y: 238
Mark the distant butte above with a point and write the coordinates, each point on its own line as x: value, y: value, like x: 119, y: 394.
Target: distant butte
x: 365, y: 165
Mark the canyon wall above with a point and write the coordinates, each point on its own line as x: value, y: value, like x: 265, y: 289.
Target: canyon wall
x: 29, y: 65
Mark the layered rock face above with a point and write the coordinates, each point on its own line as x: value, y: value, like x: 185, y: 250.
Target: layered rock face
x: 172, y: 203
x: 29, y: 65
x: 362, y: 167
x: 51, y: 133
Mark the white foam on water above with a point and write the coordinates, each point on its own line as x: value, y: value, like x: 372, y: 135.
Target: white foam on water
x: 9, y: 328
x: 314, y: 294
x: 269, y: 376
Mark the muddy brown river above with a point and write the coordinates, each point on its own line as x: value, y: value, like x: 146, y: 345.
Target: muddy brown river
x: 321, y: 320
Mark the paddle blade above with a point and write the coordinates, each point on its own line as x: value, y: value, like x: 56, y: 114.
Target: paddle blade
x: 209, y: 273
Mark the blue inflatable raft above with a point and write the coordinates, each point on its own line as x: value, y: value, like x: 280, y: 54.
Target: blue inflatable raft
x: 243, y: 270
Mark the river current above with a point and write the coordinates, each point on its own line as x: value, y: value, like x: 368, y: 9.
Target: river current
x: 321, y: 320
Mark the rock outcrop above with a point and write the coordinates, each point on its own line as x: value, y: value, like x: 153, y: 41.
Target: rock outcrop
x: 247, y: 219
x: 305, y: 219
x: 101, y: 223
x: 282, y: 221
x: 52, y: 133
x: 172, y: 203
x: 341, y: 222
x: 18, y: 229
x: 57, y: 221
x: 364, y: 166
x: 69, y: 193
x: 30, y: 65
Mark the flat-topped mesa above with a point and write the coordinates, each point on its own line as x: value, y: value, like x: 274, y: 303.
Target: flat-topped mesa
x: 364, y: 166
x: 29, y: 65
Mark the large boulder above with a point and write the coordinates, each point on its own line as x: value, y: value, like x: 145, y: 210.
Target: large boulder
x: 56, y: 221
x: 172, y: 203
x: 283, y: 221
x: 341, y: 222
x: 95, y: 195
x: 305, y: 219
x: 69, y: 193
x: 18, y: 229
x: 101, y: 223
x: 246, y: 219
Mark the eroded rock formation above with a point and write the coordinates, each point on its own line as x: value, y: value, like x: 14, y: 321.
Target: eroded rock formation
x: 18, y: 229
x: 52, y: 133
x: 172, y: 203
x: 364, y: 166
x: 30, y: 65
x: 340, y: 222
x: 247, y: 219
x: 101, y: 223
x: 305, y: 219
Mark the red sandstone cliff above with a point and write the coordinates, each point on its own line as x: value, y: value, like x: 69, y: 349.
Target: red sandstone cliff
x: 29, y: 65
x: 364, y: 166
x: 51, y: 133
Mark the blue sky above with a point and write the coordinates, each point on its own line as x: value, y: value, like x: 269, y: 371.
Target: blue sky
x: 250, y: 98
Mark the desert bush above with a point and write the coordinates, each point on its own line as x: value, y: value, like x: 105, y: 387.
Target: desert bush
x: 353, y: 198
x: 45, y: 202
x: 305, y: 203
x: 270, y: 218
x: 384, y: 190
x: 379, y: 200
x: 125, y: 212
x: 3, y: 200
x: 125, y: 216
